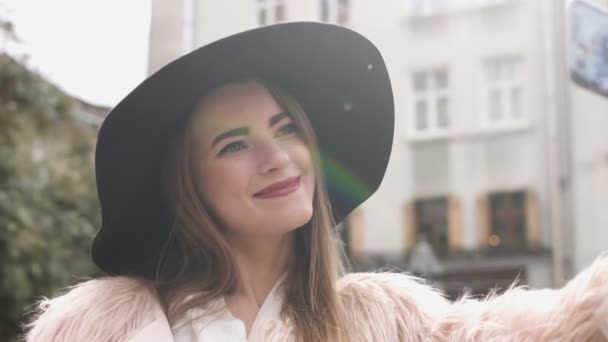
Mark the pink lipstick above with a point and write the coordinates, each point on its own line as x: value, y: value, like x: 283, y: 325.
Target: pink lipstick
x: 278, y: 189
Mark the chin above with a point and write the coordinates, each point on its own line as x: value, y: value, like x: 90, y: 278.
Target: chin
x: 291, y: 220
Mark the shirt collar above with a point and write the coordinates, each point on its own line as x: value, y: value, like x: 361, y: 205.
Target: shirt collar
x: 273, y: 303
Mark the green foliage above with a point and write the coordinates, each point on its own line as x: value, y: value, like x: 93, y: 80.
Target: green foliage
x: 48, y: 205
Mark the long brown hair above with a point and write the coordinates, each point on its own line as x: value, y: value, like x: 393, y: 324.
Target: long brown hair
x: 198, y: 266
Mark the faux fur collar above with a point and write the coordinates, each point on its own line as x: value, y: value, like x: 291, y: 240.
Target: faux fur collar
x: 379, y: 307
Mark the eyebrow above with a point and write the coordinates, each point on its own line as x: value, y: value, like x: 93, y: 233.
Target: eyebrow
x: 231, y: 133
x: 276, y: 118
x: 245, y: 130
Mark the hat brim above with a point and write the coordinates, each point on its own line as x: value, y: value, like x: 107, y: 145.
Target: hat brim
x: 338, y: 77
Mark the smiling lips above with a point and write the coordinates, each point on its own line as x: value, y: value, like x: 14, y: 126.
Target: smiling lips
x: 279, y: 189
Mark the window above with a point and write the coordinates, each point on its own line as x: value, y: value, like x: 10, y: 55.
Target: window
x: 188, y: 26
x: 508, y: 220
x: 491, y: 3
x: 334, y: 11
x: 504, y: 100
x: 270, y: 12
x: 431, y: 220
x: 431, y: 102
x: 428, y: 7
x: 438, y: 219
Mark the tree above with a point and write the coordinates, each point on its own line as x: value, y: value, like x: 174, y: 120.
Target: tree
x: 48, y: 205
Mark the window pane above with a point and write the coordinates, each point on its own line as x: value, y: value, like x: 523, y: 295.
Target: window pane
x: 441, y: 79
x: 495, y: 105
x: 516, y: 102
x: 519, y: 232
x: 432, y: 222
x: 499, y: 202
x: 262, y: 17
x: 442, y: 112
x: 325, y: 10
x: 429, y: 7
x: 519, y: 200
x: 439, y: 5
x: 188, y: 26
x: 508, y: 214
x: 518, y: 70
x: 421, y: 115
x: 512, y: 69
x: 342, y: 11
x: 419, y: 81
x: 279, y: 14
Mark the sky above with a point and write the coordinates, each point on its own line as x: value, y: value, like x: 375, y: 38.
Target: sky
x: 96, y: 50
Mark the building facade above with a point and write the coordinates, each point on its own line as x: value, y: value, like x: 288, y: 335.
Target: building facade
x: 474, y: 164
x: 585, y: 115
x: 470, y: 168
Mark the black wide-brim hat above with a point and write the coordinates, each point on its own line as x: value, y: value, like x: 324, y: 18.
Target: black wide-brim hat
x: 337, y: 76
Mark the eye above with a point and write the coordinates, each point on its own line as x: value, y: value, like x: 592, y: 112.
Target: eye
x: 232, y: 147
x: 287, y: 129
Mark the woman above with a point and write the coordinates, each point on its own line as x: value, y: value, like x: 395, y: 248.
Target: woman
x: 253, y: 168
x: 220, y: 178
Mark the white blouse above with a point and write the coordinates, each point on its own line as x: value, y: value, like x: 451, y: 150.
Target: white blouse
x: 223, y: 326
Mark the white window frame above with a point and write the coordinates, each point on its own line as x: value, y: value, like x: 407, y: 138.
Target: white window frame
x: 188, y: 23
x: 428, y: 8
x: 504, y: 86
x: 333, y: 8
x: 491, y: 3
x: 430, y: 96
x: 270, y: 6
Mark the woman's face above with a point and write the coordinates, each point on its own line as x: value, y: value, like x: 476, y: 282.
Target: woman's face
x: 253, y: 168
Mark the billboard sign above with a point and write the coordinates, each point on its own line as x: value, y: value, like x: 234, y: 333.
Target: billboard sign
x: 588, y: 46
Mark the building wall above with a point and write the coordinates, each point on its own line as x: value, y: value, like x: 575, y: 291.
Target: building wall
x: 217, y: 19
x: 589, y: 119
x: 469, y: 159
x: 212, y: 20
x: 383, y: 214
x: 589, y: 115
x: 165, y: 33
x: 466, y: 162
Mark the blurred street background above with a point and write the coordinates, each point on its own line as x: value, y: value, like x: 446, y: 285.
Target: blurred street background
x: 499, y: 169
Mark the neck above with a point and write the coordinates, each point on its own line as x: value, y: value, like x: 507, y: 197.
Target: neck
x: 261, y: 261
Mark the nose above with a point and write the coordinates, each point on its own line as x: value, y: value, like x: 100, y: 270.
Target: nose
x: 272, y: 156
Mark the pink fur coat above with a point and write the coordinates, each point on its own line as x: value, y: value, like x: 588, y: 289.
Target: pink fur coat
x: 380, y: 307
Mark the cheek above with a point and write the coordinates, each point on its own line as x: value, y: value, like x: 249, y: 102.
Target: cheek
x: 302, y: 157
x: 221, y: 186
